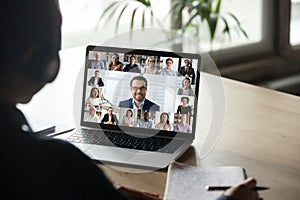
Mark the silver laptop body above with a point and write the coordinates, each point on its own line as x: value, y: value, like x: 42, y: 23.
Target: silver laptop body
x: 115, y: 128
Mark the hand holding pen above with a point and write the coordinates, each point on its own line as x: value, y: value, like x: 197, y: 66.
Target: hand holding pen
x: 247, y: 190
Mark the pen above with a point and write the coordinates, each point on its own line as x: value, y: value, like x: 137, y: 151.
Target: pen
x: 60, y: 133
x: 217, y: 188
x: 46, y: 131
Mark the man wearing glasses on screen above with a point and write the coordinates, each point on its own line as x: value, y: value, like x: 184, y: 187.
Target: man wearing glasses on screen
x: 138, y: 88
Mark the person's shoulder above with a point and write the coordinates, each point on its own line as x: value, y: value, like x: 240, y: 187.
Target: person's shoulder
x: 126, y: 68
x: 58, y: 147
x: 125, y: 102
x: 149, y: 105
x: 59, y: 152
x: 135, y: 68
x: 162, y: 71
x: 148, y: 102
x: 179, y: 92
x: 49, y: 152
x: 44, y: 163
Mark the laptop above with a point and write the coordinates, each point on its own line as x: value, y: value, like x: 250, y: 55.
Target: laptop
x: 139, y: 107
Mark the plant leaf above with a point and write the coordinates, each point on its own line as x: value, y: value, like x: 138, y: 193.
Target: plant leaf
x: 144, y: 2
x: 212, y: 20
x: 239, y: 24
x: 143, y: 19
x: 177, y: 6
x: 152, y: 16
x: 109, y: 7
x: 185, y: 26
x: 226, y: 28
x: 132, y: 18
x: 119, y: 17
x: 244, y: 32
x: 235, y: 18
x: 204, y: 10
x: 112, y: 13
x: 218, y: 6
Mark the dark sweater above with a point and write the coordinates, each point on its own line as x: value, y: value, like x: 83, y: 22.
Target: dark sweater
x: 36, y: 167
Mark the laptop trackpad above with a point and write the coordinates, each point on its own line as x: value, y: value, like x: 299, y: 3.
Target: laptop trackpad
x: 128, y: 156
x: 82, y: 147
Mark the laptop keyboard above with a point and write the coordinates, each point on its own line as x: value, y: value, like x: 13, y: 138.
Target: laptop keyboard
x: 110, y: 138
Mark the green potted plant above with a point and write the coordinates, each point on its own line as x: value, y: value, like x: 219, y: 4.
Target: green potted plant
x: 198, y: 13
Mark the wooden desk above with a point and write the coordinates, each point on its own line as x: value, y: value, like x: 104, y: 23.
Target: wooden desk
x: 261, y: 132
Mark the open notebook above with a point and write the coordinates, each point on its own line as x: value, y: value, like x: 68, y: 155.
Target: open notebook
x: 189, y: 182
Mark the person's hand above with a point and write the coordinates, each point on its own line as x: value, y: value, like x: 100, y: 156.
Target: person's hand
x: 135, y: 194
x: 243, y: 191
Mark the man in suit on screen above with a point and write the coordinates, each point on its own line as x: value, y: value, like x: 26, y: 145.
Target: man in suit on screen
x: 110, y: 118
x: 138, y: 88
x: 96, y: 80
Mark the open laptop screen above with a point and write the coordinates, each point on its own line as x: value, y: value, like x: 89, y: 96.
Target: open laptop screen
x: 140, y: 89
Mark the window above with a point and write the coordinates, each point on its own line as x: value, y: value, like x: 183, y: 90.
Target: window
x: 80, y: 19
x: 295, y: 23
x: 257, y: 19
x: 256, y: 16
x: 251, y: 22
